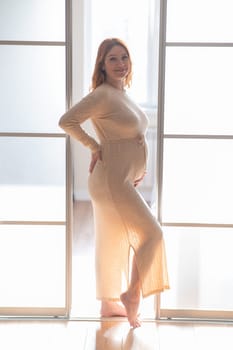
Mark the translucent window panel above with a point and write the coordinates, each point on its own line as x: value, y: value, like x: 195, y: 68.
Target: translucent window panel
x: 200, y: 21
x: 32, y: 179
x: 197, y: 181
x: 32, y: 88
x: 32, y: 266
x: 200, y: 264
x: 32, y: 20
x: 198, y: 90
x: 136, y: 28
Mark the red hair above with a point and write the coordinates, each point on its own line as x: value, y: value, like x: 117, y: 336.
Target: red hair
x: 99, y: 76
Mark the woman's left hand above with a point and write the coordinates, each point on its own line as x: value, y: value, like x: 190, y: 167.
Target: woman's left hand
x: 94, y: 158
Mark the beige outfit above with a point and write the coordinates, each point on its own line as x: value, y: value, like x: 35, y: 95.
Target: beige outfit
x: 122, y: 218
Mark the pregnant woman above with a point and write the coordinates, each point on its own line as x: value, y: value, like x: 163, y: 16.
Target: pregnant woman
x: 123, y: 220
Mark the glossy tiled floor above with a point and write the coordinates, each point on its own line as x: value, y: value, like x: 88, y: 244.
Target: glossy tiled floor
x: 109, y: 334
x: 113, y: 335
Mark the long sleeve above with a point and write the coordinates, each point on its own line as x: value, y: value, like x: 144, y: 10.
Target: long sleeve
x: 113, y: 115
x: 80, y: 112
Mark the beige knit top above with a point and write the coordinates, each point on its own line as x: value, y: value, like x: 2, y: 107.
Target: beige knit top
x: 113, y: 113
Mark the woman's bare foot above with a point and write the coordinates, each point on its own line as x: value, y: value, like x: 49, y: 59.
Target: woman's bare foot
x: 112, y: 309
x: 131, y: 306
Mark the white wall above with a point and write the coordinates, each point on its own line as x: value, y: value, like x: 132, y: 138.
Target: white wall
x: 81, y: 59
x: 81, y: 160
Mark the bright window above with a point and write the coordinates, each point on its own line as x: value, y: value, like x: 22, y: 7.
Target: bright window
x: 134, y: 22
x: 200, y: 21
x: 34, y: 257
x: 196, y: 171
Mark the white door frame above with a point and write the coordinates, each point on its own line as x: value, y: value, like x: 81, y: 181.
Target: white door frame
x: 163, y: 44
x: 52, y: 311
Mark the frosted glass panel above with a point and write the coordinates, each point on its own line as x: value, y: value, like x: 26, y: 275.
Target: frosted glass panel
x: 132, y: 21
x: 197, y: 184
x: 198, y: 20
x: 202, y: 81
x: 32, y: 266
x: 32, y: 88
x: 32, y: 20
x: 200, y: 263
x: 32, y: 179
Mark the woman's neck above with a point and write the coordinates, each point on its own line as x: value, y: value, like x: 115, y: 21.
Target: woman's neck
x: 117, y: 84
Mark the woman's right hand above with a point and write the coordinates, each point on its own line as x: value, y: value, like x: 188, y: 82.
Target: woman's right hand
x: 94, y: 158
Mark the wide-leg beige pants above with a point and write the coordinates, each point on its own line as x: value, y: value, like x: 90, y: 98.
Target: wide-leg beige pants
x: 123, y: 220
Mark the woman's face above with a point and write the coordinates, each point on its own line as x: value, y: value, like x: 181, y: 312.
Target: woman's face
x: 116, y: 64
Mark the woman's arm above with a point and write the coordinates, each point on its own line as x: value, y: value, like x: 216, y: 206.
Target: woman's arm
x: 80, y: 112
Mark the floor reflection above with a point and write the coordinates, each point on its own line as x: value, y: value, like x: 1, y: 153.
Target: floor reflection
x: 119, y: 336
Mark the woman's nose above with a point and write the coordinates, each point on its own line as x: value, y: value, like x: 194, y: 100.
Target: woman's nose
x: 121, y: 62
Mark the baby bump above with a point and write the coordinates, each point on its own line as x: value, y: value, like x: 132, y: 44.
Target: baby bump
x: 125, y: 158
x: 122, y: 162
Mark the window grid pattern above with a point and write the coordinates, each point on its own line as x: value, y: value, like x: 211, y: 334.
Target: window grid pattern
x: 179, y: 232
x: 62, y: 225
